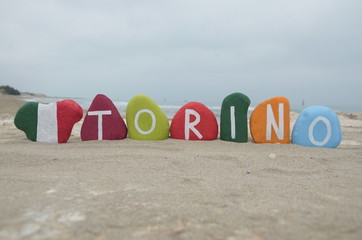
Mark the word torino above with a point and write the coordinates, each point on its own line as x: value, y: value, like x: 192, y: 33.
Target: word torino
x: 316, y: 126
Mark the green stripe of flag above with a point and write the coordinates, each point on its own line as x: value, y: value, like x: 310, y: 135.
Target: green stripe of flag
x: 26, y: 119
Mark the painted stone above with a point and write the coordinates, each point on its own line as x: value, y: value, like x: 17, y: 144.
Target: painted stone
x: 103, y: 121
x: 146, y: 120
x: 194, y: 121
x: 317, y: 126
x: 234, y: 118
x: 51, y: 123
x: 270, y: 121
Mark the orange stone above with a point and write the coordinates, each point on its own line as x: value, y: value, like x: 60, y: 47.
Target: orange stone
x: 270, y: 121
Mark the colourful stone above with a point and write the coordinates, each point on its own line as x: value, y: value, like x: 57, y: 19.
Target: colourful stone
x: 194, y: 121
x: 68, y: 113
x: 26, y: 119
x: 234, y: 118
x: 317, y: 126
x: 52, y: 123
x: 270, y: 121
x: 103, y: 121
x: 146, y: 120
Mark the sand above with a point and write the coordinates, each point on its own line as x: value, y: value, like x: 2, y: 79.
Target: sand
x: 177, y: 189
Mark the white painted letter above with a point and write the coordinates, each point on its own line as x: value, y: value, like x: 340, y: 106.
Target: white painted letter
x: 270, y: 121
x: 232, y: 120
x: 191, y: 126
x: 153, y: 126
x: 100, y: 120
x: 311, y: 128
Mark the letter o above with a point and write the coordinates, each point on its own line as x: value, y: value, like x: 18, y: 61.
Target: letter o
x: 311, y: 128
x: 153, y: 126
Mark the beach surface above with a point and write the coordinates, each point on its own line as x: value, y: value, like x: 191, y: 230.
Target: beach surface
x: 177, y: 189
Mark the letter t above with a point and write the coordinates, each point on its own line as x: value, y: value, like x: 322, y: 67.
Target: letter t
x: 100, y: 120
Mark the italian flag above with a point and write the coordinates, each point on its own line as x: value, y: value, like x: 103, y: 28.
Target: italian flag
x: 51, y: 123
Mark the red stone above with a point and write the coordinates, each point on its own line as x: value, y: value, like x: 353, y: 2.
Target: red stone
x: 112, y: 128
x: 206, y: 129
x: 68, y: 113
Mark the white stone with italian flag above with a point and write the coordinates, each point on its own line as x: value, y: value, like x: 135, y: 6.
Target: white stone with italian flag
x: 51, y: 123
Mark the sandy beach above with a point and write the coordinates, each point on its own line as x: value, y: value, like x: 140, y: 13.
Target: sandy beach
x: 176, y: 189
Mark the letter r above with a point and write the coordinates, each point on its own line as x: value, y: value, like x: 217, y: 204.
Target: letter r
x: 191, y: 125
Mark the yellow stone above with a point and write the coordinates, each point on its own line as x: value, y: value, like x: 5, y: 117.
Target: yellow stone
x: 146, y: 120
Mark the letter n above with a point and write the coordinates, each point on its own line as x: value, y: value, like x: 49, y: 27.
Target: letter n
x: 271, y: 123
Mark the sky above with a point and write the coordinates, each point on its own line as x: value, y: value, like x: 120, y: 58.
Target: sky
x: 194, y: 50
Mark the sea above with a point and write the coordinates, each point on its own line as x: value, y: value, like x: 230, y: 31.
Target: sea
x: 171, y: 109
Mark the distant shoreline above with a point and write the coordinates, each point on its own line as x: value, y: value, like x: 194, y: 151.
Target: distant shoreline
x: 85, y: 102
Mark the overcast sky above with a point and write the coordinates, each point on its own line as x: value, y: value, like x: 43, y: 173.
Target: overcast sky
x: 199, y: 50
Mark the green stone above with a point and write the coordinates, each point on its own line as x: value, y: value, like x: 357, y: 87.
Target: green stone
x: 151, y: 122
x: 234, y: 118
x: 26, y: 119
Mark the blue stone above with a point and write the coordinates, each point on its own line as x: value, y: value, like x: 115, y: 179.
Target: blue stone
x: 317, y: 126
